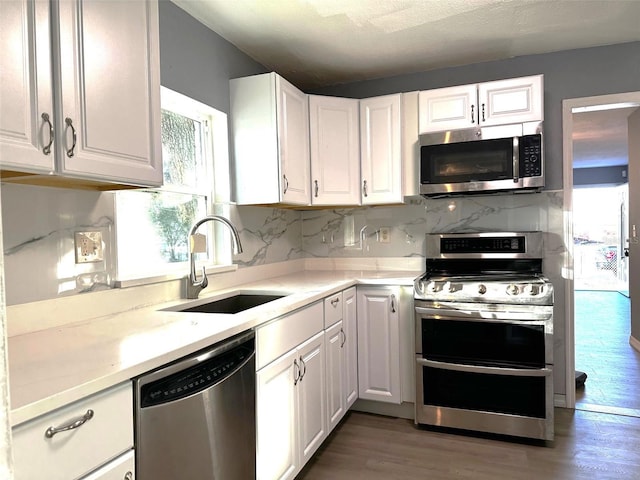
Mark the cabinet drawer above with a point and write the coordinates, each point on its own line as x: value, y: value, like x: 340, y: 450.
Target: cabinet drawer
x: 117, y: 469
x: 332, y: 309
x: 75, y: 452
x: 283, y: 334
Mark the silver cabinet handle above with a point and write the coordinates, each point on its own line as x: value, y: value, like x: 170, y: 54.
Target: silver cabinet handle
x: 128, y: 476
x: 364, y: 188
x: 483, y: 113
x: 51, y: 431
x: 393, y: 304
x: 304, y: 368
x: 47, y: 148
x: 286, y: 184
x: 316, y: 183
x: 473, y: 114
x: 69, y: 123
x: 335, y: 302
x: 296, y: 372
x: 344, y: 338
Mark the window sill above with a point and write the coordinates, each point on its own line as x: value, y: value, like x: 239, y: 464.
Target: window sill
x: 137, y: 282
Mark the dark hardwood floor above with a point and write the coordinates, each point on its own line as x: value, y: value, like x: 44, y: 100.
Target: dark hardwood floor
x: 602, y: 329
x: 587, y: 445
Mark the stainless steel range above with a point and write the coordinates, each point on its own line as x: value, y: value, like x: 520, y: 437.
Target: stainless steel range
x: 484, y: 335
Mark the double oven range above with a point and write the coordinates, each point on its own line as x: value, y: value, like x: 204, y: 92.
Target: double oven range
x: 484, y: 335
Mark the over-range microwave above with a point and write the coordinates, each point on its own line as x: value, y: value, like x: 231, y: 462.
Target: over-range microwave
x: 477, y: 160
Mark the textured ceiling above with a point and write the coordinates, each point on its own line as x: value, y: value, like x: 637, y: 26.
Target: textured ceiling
x: 316, y: 43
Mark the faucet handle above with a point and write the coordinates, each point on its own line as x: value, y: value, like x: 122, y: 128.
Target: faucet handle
x: 205, y: 281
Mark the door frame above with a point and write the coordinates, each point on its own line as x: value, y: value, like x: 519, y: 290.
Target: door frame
x: 567, y: 185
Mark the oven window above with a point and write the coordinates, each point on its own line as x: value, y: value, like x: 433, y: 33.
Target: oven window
x: 483, y: 343
x: 484, y: 392
x: 483, y: 160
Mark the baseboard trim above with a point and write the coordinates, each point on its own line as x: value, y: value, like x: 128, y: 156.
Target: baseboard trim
x: 404, y: 410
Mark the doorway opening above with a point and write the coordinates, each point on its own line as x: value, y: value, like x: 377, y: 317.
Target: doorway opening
x: 601, y: 301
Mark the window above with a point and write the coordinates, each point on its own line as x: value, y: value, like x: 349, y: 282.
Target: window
x: 152, y: 225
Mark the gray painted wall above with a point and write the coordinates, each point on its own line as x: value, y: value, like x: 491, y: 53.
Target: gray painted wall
x: 616, y: 175
x: 196, y: 61
x: 568, y: 74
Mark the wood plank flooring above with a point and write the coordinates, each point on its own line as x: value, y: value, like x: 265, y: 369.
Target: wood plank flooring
x: 602, y: 329
x: 587, y: 445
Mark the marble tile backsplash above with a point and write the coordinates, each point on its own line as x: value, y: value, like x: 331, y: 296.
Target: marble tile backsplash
x: 40, y: 222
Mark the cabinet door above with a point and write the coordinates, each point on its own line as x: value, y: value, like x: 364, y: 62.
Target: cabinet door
x: 350, y: 348
x: 379, y: 344
x: 122, y: 468
x: 293, y: 142
x: 381, y: 150
x: 276, y: 428
x: 109, y: 76
x: 25, y: 86
x: 447, y: 108
x: 335, y: 150
x: 514, y: 100
x: 312, y: 408
x: 336, y: 399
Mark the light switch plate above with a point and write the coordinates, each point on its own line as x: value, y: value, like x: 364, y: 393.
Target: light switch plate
x: 88, y: 247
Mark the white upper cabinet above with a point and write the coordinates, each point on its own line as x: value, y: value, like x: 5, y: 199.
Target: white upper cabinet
x: 381, y: 150
x: 109, y: 120
x: 448, y: 108
x: 26, y: 96
x: 100, y: 61
x: 335, y: 150
x: 270, y: 125
x: 515, y: 100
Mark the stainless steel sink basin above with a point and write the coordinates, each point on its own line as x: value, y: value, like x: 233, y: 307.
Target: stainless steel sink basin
x: 236, y: 303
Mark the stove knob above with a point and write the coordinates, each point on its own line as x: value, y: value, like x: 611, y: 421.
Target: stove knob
x: 433, y: 287
x: 482, y: 289
x: 531, y: 289
x: 447, y: 287
x: 512, y: 289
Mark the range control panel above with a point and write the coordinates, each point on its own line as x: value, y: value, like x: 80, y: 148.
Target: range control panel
x: 450, y: 245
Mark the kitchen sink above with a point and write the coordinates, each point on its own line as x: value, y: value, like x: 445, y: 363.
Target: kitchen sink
x: 234, y: 304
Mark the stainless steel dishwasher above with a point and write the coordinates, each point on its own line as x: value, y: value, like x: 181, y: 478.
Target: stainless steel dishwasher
x: 195, y: 418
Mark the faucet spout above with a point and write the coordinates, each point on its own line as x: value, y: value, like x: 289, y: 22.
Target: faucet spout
x: 193, y: 285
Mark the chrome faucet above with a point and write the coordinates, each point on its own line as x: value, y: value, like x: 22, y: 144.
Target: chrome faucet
x: 193, y: 286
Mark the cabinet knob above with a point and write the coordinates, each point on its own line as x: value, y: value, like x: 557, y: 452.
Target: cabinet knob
x: 47, y: 148
x: 128, y: 476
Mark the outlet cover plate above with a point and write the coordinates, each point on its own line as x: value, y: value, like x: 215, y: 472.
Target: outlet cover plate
x: 88, y: 247
x: 385, y: 235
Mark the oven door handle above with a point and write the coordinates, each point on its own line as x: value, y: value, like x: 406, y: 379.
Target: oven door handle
x: 512, y: 372
x: 484, y: 315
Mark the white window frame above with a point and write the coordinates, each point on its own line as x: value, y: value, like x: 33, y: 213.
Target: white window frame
x: 216, y: 190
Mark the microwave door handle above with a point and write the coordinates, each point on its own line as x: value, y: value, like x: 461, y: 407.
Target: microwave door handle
x: 516, y: 159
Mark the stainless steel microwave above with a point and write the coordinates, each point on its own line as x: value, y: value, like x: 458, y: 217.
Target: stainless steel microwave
x: 476, y: 160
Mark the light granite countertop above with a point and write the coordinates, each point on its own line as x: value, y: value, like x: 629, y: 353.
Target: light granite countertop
x: 55, y: 366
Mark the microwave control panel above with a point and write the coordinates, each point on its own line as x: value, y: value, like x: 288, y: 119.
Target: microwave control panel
x: 531, y: 156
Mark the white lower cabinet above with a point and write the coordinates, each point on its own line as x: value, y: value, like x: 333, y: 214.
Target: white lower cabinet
x: 89, y: 439
x: 379, y: 365
x: 336, y: 397
x: 350, y: 346
x: 290, y: 393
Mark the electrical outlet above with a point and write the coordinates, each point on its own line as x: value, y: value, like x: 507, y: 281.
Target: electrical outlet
x: 385, y: 235
x: 88, y: 247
